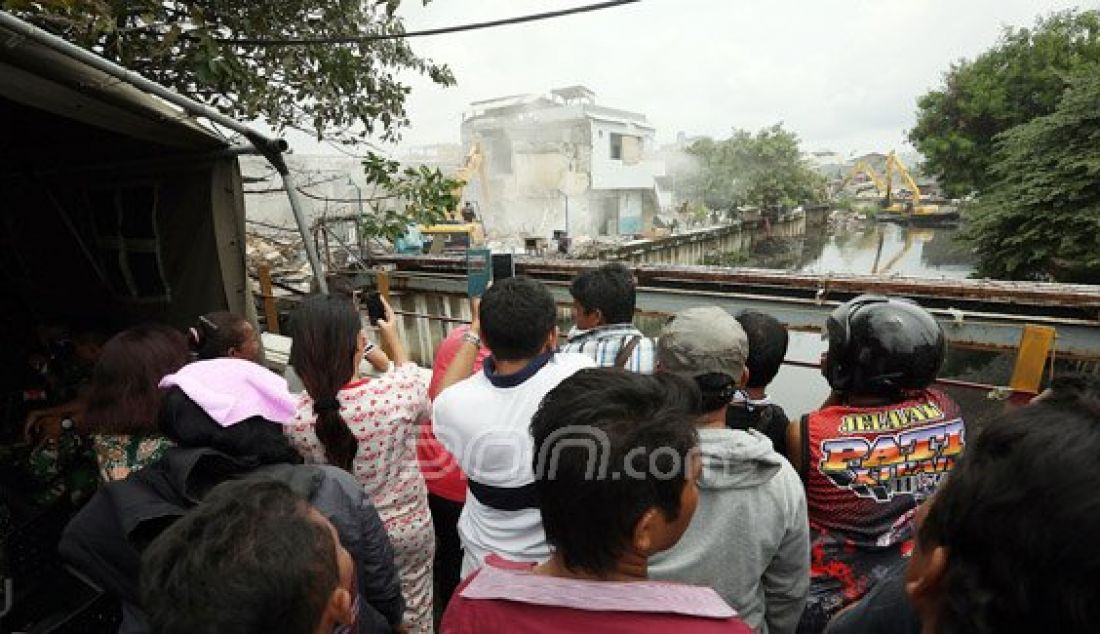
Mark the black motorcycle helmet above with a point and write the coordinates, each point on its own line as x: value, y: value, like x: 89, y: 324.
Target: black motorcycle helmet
x: 882, y: 345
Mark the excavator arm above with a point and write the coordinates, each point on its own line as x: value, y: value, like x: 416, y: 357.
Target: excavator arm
x: 880, y: 184
x: 456, y: 227
x: 894, y: 164
x: 473, y: 164
x: 861, y: 167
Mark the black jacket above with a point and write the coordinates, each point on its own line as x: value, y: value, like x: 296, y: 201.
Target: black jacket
x: 106, y: 538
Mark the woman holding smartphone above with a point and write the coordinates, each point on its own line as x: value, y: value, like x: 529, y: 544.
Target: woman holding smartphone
x: 368, y: 426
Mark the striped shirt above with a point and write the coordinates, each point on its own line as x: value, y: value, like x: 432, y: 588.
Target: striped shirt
x: 603, y: 344
x: 484, y: 422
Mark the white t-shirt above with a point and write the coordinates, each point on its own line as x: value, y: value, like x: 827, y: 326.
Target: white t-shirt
x: 484, y: 423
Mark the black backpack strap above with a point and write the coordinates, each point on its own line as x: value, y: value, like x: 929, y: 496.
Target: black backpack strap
x: 623, y: 357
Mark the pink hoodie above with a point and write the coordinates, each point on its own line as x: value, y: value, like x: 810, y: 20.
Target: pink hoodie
x: 231, y: 390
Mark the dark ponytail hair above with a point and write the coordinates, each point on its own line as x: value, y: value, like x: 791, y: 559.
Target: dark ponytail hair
x: 214, y: 334
x: 326, y: 330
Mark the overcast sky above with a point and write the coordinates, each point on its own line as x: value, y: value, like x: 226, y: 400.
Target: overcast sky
x: 842, y: 74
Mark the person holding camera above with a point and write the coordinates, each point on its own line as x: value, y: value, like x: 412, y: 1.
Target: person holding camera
x: 368, y: 427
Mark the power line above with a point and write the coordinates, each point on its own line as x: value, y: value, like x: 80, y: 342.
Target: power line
x: 311, y: 195
x: 268, y: 225
x: 269, y: 190
x: 351, y: 154
x: 364, y: 199
x: 359, y: 39
x: 311, y: 183
x: 301, y: 189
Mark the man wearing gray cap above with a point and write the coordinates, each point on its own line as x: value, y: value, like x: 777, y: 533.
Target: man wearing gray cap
x: 749, y: 538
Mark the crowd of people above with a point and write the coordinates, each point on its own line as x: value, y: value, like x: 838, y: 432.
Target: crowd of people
x: 600, y: 481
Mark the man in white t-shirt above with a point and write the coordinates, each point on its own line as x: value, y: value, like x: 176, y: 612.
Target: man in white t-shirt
x: 484, y: 419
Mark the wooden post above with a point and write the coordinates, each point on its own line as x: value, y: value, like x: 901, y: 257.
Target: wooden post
x: 1036, y: 342
x: 271, y: 314
x: 382, y: 285
x: 382, y: 281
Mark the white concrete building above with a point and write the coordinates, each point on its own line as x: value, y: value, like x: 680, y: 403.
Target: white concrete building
x: 561, y: 162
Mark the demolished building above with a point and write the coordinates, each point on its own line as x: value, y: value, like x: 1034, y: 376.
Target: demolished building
x: 560, y: 162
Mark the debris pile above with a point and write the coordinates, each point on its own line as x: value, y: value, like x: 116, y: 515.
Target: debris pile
x: 841, y: 220
x: 275, y: 253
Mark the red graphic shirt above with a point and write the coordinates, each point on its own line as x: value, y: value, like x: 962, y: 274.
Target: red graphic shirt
x: 870, y: 465
x: 867, y: 468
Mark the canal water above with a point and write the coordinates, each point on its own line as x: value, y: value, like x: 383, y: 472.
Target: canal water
x: 887, y: 249
x: 868, y: 249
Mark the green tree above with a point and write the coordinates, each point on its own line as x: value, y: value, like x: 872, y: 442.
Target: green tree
x: 213, y: 52
x: 763, y: 169
x: 1022, y: 77
x: 208, y: 50
x: 706, y: 183
x: 422, y: 196
x: 1041, y: 217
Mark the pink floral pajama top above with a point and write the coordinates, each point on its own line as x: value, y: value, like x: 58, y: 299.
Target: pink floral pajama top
x: 383, y: 413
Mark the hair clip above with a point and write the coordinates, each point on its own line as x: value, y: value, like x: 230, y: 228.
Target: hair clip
x: 209, y: 324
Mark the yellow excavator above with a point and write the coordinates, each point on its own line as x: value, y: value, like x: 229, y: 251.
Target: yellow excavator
x: 912, y: 208
x: 462, y: 228
x: 892, y: 209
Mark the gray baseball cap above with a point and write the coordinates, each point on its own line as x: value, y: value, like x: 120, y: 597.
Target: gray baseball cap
x: 702, y: 340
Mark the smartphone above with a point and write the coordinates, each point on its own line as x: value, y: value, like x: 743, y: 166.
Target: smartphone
x: 504, y: 266
x: 375, y: 309
x: 478, y: 272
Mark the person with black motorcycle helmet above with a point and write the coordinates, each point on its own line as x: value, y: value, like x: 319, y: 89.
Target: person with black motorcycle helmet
x: 879, y: 446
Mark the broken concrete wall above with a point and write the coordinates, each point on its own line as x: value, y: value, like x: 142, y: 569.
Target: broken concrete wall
x: 630, y: 212
x: 535, y: 170
x: 574, y: 167
x: 619, y: 156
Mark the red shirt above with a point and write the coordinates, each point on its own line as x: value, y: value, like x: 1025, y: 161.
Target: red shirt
x: 869, y: 465
x: 867, y: 469
x: 506, y: 597
x: 441, y: 473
